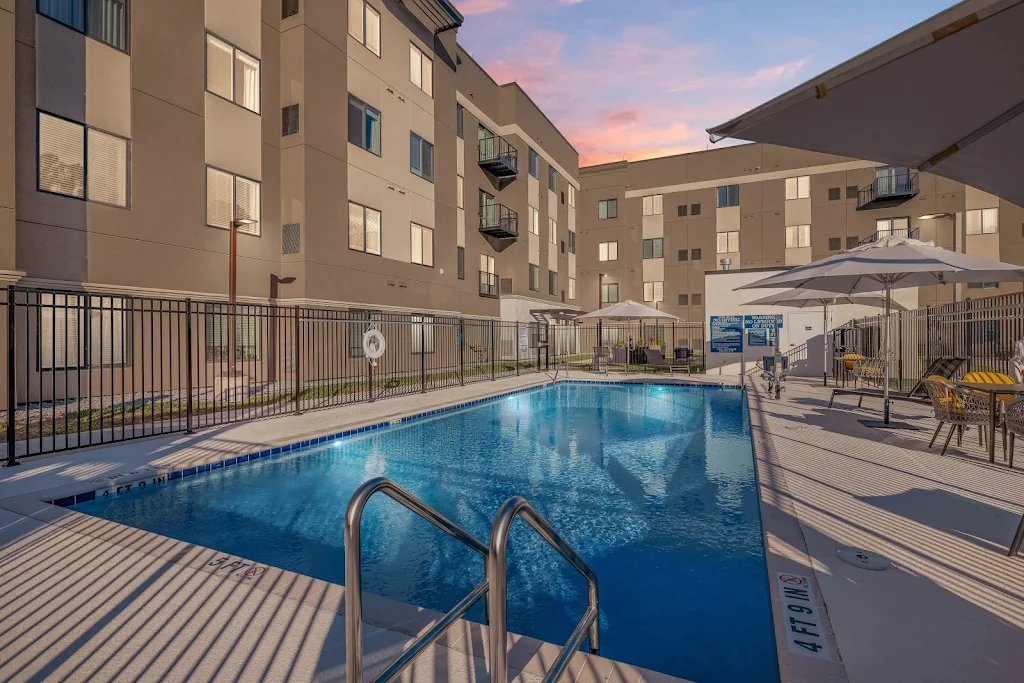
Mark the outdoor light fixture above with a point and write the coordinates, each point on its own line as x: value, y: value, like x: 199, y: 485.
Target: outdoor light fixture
x: 933, y: 216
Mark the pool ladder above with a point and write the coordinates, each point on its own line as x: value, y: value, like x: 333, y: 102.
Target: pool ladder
x: 494, y: 584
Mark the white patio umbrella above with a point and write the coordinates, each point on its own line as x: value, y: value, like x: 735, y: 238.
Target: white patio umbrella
x: 626, y: 310
x: 889, y: 263
x: 812, y: 298
x: 894, y: 103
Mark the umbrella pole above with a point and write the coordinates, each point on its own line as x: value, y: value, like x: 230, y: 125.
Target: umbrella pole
x: 824, y: 343
x: 885, y: 346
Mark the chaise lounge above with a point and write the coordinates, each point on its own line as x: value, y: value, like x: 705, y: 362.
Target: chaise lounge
x: 943, y: 366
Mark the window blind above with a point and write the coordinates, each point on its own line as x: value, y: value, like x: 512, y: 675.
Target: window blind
x: 61, y: 156
x: 108, y: 168
x: 219, y: 198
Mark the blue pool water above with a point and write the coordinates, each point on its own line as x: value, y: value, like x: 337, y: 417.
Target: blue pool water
x: 653, y: 486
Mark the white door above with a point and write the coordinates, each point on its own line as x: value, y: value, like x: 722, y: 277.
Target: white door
x: 806, y: 327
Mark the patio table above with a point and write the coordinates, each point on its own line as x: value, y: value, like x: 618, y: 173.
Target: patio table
x: 993, y: 390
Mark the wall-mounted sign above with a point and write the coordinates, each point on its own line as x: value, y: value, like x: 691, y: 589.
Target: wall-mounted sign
x: 758, y: 337
x: 762, y: 322
x: 726, y: 334
x: 524, y: 341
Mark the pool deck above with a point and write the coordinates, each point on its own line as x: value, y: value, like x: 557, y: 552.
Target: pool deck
x: 83, y: 598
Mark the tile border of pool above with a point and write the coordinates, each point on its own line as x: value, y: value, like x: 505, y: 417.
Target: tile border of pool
x: 165, y: 476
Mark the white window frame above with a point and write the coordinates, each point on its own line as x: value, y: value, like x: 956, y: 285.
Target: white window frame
x: 798, y: 187
x: 798, y: 236
x: 654, y: 291
x: 253, y: 229
x: 731, y: 239
x: 981, y: 221
x: 653, y: 205
x: 365, y: 212
x: 423, y: 237
x: 359, y: 15
x: 237, y: 54
x: 534, y: 221
x: 608, y: 251
x: 421, y: 70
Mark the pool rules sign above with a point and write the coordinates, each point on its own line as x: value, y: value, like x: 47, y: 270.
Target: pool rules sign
x: 805, y: 634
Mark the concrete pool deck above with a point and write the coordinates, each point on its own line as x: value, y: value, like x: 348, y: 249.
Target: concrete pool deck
x: 84, y: 598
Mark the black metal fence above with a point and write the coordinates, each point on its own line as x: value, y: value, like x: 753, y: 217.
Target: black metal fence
x: 981, y: 330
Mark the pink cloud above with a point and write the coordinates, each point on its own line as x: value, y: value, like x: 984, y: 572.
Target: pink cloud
x: 470, y: 7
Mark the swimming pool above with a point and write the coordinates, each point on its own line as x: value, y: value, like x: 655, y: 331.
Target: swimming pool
x: 653, y: 485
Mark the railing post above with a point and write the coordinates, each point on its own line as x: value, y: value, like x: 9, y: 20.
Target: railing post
x: 11, y: 396
x: 492, y: 351
x: 462, y: 357
x: 298, y: 364
x: 899, y: 348
x: 968, y: 333
x: 188, y: 366
x: 423, y: 355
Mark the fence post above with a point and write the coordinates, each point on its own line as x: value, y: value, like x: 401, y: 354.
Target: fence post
x: 423, y: 355
x: 927, y: 335
x: 188, y: 366
x: 968, y: 333
x: 492, y: 350
x: 462, y: 357
x: 516, y: 342
x: 11, y: 398
x: 298, y: 364
x: 899, y: 348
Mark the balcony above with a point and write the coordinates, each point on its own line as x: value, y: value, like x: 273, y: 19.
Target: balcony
x: 498, y: 157
x: 488, y: 284
x: 910, y: 233
x: 499, y: 221
x: 887, y: 191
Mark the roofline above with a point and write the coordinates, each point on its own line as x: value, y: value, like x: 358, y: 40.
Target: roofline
x: 597, y: 168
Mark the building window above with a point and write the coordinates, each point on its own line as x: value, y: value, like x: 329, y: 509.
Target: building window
x: 852, y: 241
x: 534, y: 163
x: 695, y: 254
x: 683, y: 255
x: 851, y: 191
x: 82, y: 162
x: 534, y: 221
x: 289, y: 8
x: 563, y: 199
x: 104, y: 20
x: 290, y: 120
x: 363, y: 125
x: 729, y: 242
x: 654, y: 248
x: 459, y: 116
x: 727, y: 195
x: 364, y: 24
x: 897, y: 227
x: 231, y: 197
x: 563, y: 246
x: 796, y: 188
x: 681, y: 211
x: 610, y: 293
x: 80, y: 331
x: 683, y: 299
x: 608, y: 208
x: 572, y: 242
x: 572, y: 289
x: 572, y: 197
x: 982, y: 285
x: 694, y: 209
x: 552, y: 231
x: 834, y: 194
x: 421, y: 70
x: 982, y: 221
x: 247, y: 334
x: 654, y: 291
x: 608, y: 251
x: 653, y: 205
x: 552, y: 179
x: 232, y: 73
x: 461, y: 262
x: 835, y: 243
x: 421, y: 245
x: 552, y: 282
x: 695, y: 299
x: 422, y: 333
x: 534, y: 278
x: 363, y: 229
x: 460, y: 200
x: 798, y: 236
x: 421, y: 157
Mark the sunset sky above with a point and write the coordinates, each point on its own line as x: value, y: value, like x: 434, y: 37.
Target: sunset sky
x: 644, y: 78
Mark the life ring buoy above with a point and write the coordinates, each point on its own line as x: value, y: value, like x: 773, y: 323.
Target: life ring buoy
x: 373, y: 344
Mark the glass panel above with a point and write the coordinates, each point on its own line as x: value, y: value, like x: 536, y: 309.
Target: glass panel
x: 416, y: 242
x: 107, y: 22
x: 428, y: 247
x: 428, y: 76
x: 356, y: 234
x: 990, y: 221
x: 648, y: 248
x: 734, y: 242
x: 69, y: 12
x: 613, y: 251
x: 247, y: 204
x: 108, y: 168
x: 355, y: 122
x: 415, y: 157
x: 60, y: 331
x: 107, y: 331
x: 659, y: 248
x: 602, y: 251
x: 247, y: 81
x: 415, y: 66
x: 723, y: 243
x: 791, y: 188
x: 602, y: 210
x: 613, y: 208
x: 373, y: 30
x: 355, y: 19
x: 460, y: 200
x: 61, y: 156
x: 373, y: 232
x: 219, y: 58
x: 372, y: 130
x: 428, y: 161
x: 804, y: 187
x: 973, y: 218
x: 219, y: 198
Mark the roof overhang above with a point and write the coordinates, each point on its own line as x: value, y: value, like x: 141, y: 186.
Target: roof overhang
x: 438, y: 15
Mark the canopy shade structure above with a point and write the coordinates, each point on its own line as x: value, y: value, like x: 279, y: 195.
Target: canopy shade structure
x: 627, y: 310
x: 812, y: 298
x: 944, y: 96
x: 889, y: 263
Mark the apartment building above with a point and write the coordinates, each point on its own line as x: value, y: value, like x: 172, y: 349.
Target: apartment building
x: 650, y: 230
x: 365, y: 159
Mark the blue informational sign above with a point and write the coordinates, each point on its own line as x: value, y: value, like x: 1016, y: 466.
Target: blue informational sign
x: 726, y: 334
x: 762, y: 322
x: 758, y: 337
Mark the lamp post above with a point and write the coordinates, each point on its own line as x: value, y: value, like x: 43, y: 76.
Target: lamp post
x: 956, y: 247
x: 233, y: 286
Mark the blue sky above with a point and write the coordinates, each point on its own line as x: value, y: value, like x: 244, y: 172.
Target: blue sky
x: 642, y: 78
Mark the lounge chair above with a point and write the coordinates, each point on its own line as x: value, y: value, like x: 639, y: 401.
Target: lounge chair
x: 656, y: 361
x: 602, y: 359
x: 682, y: 357
x: 943, y: 366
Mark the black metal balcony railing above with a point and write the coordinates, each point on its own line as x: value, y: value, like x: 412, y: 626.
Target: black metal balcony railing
x: 497, y: 220
x: 911, y: 233
x: 498, y: 157
x: 488, y: 284
x: 888, y: 190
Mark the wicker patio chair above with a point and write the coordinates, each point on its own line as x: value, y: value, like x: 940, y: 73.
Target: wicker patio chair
x: 959, y: 408
x: 1014, y: 421
x: 938, y: 390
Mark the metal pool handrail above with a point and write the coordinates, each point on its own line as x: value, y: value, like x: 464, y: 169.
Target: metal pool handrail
x: 353, y: 578
x: 496, y: 600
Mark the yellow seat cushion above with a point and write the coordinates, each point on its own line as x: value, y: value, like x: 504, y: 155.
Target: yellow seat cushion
x: 991, y: 378
x: 851, y: 358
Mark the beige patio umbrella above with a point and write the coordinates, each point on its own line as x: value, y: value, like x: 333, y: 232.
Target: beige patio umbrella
x: 626, y: 310
x: 944, y: 96
x: 812, y: 298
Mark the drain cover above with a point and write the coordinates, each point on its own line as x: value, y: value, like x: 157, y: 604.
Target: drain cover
x: 865, y: 559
